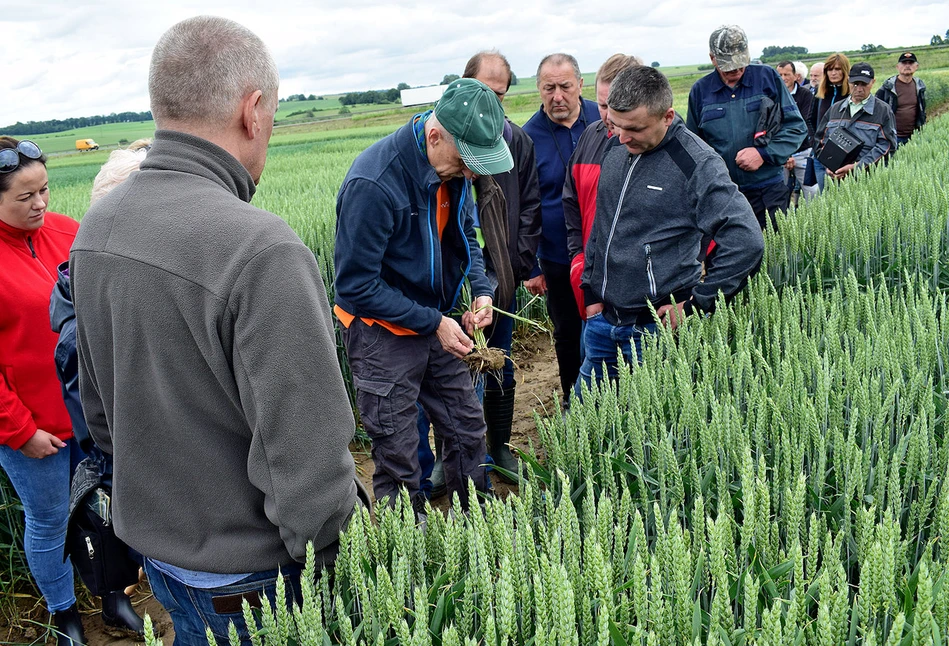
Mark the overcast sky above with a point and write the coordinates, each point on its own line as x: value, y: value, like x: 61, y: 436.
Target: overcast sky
x: 76, y: 58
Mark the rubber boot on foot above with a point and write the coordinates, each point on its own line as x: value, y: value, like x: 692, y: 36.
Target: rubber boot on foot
x: 499, y: 417
x: 118, y: 613
x: 68, y: 625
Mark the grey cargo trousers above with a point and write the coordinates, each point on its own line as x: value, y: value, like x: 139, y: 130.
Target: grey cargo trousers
x: 391, y: 373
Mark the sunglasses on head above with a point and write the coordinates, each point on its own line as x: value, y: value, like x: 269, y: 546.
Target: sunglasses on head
x: 10, y: 157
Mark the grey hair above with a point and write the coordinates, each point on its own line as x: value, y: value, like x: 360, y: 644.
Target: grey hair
x: 116, y: 170
x: 800, y: 69
x: 640, y: 86
x: 559, y: 59
x: 202, y: 67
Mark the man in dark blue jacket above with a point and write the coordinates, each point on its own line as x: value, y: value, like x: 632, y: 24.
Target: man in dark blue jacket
x: 725, y: 110
x: 555, y: 129
x: 405, y: 243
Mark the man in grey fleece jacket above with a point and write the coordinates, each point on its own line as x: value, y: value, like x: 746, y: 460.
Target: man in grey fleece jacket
x: 208, y: 364
x: 661, y: 190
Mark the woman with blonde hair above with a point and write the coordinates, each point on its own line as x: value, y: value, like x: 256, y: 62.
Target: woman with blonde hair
x: 834, y: 86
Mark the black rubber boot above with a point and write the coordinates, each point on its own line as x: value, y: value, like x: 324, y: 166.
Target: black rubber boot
x: 118, y: 613
x: 69, y: 627
x: 499, y: 416
x: 439, y: 488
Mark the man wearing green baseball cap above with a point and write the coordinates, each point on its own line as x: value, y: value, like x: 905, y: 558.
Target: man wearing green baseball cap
x: 405, y: 244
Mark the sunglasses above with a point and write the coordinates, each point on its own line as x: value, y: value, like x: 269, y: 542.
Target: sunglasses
x: 10, y: 157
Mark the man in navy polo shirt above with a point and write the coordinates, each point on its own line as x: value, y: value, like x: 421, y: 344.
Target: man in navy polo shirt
x: 555, y: 129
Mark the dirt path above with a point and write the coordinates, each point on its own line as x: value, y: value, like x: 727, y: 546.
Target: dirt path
x: 536, y: 374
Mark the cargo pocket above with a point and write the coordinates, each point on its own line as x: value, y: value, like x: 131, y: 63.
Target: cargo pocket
x: 375, y: 407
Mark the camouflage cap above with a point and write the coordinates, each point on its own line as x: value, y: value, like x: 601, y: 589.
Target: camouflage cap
x: 729, y: 45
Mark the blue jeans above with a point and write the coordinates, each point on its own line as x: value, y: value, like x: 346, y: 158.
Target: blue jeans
x: 192, y: 610
x: 43, y: 488
x: 601, y: 340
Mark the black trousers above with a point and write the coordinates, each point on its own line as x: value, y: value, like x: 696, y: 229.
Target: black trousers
x: 568, y: 326
x: 768, y: 200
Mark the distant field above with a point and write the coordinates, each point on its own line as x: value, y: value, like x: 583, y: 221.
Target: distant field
x: 109, y: 134
x: 377, y: 120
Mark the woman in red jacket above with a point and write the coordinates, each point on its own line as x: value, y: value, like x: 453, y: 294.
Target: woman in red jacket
x: 37, y: 450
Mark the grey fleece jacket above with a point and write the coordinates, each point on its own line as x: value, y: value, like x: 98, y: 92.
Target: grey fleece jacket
x: 652, y: 211
x: 208, y: 368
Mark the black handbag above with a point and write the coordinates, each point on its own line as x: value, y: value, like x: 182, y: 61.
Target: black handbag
x: 101, y: 558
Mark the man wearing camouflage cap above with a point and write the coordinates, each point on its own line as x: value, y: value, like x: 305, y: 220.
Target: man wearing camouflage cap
x: 746, y: 114
x: 405, y: 243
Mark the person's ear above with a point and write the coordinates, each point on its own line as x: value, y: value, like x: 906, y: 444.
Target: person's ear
x: 251, y: 113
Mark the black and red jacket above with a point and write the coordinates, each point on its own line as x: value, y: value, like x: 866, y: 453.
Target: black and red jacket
x: 579, y: 198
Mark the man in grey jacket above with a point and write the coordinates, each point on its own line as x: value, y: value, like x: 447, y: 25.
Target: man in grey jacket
x: 208, y: 364
x: 661, y: 190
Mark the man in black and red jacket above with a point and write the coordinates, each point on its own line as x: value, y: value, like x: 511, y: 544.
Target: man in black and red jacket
x: 583, y: 173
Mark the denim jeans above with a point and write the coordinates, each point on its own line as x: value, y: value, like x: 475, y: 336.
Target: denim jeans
x: 43, y: 488
x: 192, y: 609
x: 601, y: 340
x: 800, y: 168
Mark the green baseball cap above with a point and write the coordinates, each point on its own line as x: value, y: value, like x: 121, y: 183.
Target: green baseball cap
x: 472, y: 114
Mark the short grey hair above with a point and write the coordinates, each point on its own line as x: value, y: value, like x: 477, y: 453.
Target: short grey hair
x: 800, y: 69
x: 639, y: 86
x: 559, y: 59
x: 202, y: 67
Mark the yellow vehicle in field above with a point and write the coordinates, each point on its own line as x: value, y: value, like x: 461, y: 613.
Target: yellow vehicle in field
x: 86, y: 144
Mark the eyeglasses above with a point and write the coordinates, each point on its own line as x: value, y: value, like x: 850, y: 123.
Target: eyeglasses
x: 10, y: 157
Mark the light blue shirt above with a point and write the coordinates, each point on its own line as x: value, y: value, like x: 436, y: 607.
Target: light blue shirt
x: 195, y: 578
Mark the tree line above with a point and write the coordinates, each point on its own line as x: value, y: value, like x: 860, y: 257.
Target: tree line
x: 61, y: 125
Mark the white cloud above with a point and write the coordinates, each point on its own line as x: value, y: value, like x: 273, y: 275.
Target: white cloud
x: 68, y: 59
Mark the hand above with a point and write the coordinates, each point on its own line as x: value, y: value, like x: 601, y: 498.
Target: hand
x: 480, y: 315
x: 453, y: 339
x: 789, y: 164
x: 749, y: 159
x: 842, y: 172
x: 593, y: 310
x: 537, y: 286
x: 41, y: 445
x: 671, y: 315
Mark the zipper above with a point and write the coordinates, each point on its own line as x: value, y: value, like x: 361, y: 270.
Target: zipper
x: 609, y: 240
x: 433, y: 236
x: 461, y: 230
x: 90, y: 549
x: 649, y: 273
x: 29, y: 244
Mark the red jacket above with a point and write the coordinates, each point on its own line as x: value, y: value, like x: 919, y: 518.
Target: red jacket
x: 30, y: 394
x: 579, y: 199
